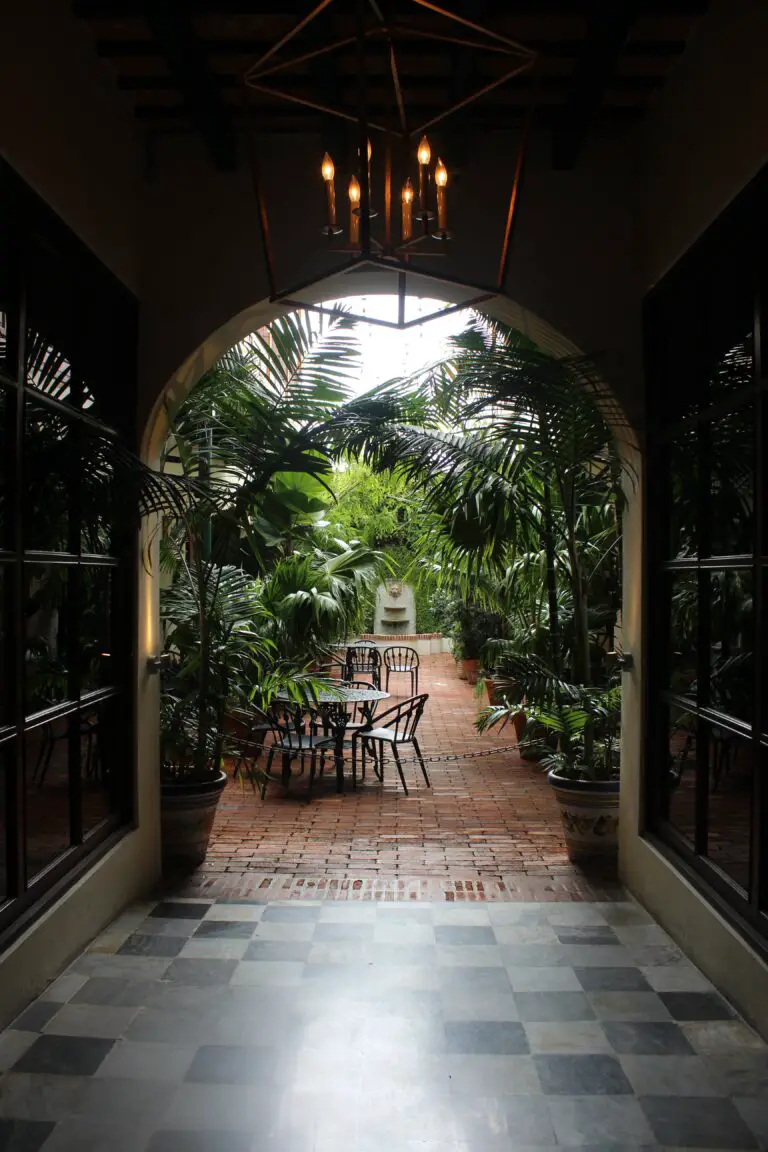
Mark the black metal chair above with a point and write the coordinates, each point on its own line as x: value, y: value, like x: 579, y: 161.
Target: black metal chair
x: 394, y: 727
x: 364, y: 660
x: 245, y: 735
x: 400, y: 658
x: 293, y: 743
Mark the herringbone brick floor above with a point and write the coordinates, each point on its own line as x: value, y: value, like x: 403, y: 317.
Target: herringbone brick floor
x: 492, y: 819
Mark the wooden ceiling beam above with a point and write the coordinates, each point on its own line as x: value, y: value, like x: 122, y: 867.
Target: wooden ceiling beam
x: 173, y: 31
x: 562, y: 49
x: 122, y: 9
x: 609, y: 25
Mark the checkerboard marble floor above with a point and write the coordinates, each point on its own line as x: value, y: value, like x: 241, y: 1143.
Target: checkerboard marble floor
x: 195, y: 1026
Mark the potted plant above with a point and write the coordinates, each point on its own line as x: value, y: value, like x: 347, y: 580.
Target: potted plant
x: 573, y: 732
x: 214, y: 652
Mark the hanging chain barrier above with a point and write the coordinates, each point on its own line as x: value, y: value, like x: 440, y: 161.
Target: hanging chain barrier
x: 248, y: 748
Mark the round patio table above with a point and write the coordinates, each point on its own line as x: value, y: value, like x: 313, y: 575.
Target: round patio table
x: 329, y: 704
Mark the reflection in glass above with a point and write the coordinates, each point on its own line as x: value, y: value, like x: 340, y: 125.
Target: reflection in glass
x: 99, y: 771
x: 46, y: 590
x: 97, y: 497
x: 47, y: 368
x: 683, y: 632
x: 731, y: 682
x: 683, y: 494
x: 5, y: 701
x: 94, y: 645
x: 730, y: 804
x: 49, y: 461
x: 680, y: 772
x: 7, y: 753
x: 731, y: 482
x: 733, y: 372
x: 46, y: 772
x: 6, y: 477
x: 3, y: 337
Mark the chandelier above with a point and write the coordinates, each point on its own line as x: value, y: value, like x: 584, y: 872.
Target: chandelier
x: 388, y: 226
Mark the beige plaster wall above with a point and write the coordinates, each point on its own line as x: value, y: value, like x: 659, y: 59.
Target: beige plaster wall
x: 68, y: 131
x: 704, y: 141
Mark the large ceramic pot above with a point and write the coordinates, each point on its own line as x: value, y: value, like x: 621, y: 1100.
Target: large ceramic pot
x: 460, y: 671
x: 187, y: 810
x: 590, y: 815
x: 472, y: 670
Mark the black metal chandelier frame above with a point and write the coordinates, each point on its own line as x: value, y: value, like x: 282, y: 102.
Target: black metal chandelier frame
x: 388, y: 254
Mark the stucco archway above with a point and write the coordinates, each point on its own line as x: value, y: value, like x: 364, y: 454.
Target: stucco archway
x: 501, y: 307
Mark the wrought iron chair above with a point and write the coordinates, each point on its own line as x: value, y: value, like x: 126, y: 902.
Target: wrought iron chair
x: 245, y: 734
x: 400, y: 658
x: 364, y: 660
x: 394, y: 727
x: 293, y: 743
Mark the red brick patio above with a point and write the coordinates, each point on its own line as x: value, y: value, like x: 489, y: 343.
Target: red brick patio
x: 491, y: 820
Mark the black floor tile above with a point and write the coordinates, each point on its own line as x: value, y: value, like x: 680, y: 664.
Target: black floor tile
x: 64, y: 1055
x: 646, y: 1038
x: 173, y: 910
x: 225, y: 930
x: 592, y: 1075
x: 291, y: 912
x: 187, y: 1140
x: 587, y: 934
x: 696, y: 1122
x: 24, y: 1135
x: 464, y: 934
x: 231, y: 1064
x: 200, y: 972
x: 141, y: 945
x: 612, y: 980
x: 696, y: 1006
x: 104, y: 991
x: 485, y: 1038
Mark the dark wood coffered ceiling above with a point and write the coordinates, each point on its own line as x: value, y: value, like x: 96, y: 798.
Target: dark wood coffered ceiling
x: 601, y: 62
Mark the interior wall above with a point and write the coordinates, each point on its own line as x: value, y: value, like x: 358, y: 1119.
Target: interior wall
x: 68, y: 131
x: 706, y: 137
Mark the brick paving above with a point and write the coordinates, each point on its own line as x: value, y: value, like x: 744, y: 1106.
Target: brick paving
x: 488, y: 828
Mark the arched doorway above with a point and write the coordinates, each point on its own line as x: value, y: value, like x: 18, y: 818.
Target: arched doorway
x: 547, y: 338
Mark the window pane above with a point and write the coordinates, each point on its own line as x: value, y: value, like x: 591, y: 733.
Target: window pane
x: 46, y: 773
x: 679, y: 785
x: 731, y: 767
x: 6, y: 465
x: 48, y: 464
x: 734, y: 372
x: 102, y: 761
x: 683, y: 494
x: 46, y: 589
x: 97, y: 497
x: 731, y: 684
x: 683, y: 638
x: 94, y: 642
x: 731, y: 482
x: 6, y: 670
x: 7, y: 757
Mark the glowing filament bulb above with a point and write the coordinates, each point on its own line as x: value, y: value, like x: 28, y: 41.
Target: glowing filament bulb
x: 424, y: 153
x: 441, y: 174
x: 354, y: 191
x: 327, y: 169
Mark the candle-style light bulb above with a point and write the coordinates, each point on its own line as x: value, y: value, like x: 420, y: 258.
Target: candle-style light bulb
x: 423, y: 155
x: 407, y: 217
x: 328, y: 173
x: 354, y: 191
x: 441, y: 179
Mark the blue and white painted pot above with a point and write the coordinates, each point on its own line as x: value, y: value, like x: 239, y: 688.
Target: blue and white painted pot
x: 590, y: 814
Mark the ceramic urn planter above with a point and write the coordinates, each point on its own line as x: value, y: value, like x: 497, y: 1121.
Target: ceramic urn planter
x: 590, y: 813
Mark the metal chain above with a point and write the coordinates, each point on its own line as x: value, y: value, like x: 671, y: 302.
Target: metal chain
x: 440, y: 758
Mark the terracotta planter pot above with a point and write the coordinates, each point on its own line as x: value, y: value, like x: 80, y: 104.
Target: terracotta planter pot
x: 590, y: 814
x: 472, y: 669
x: 518, y: 722
x: 186, y: 818
x: 460, y: 670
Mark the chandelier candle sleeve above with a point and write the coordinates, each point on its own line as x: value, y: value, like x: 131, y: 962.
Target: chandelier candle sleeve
x: 329, y: 172
x: 407, y: 229
x: 424, y: 155
x: 441, y: 179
